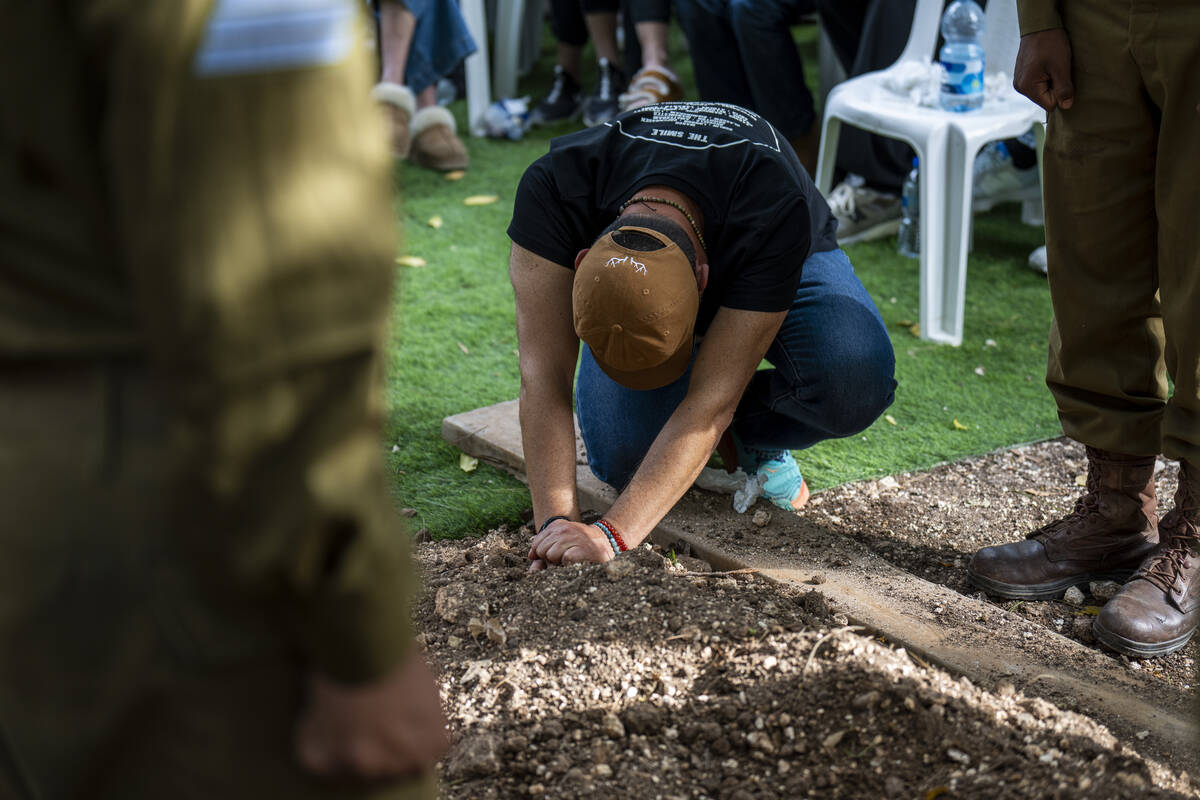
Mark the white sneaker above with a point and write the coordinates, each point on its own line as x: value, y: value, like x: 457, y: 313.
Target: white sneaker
x: 998, y: 181
x: 1037, y: 260
x: 863, y: 214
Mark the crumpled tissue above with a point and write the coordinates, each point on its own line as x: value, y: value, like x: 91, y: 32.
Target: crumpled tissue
x: 746, y: 489
x: 921, y: 83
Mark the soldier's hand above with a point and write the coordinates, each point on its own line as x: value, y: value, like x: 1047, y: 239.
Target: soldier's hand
x: 392, y: 728
x: 1043, y: 69
x: 565, y: 542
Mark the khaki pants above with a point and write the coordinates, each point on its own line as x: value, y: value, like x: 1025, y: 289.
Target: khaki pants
x: 1122, y: 192
x: 118, y: 678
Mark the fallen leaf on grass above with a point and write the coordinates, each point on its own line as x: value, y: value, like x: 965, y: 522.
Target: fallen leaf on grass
x: 480, y: 200
x: 434, y: 222
x: 915, y: 329
x: 463, y: 347
x: 958, y: 426
x: 1090, y: 611
x: 905, y: 323
x: 410, y: 261
x: 455, y: 175
x: 467, y: 463
x: 890, y: 419
x: 980, y: 371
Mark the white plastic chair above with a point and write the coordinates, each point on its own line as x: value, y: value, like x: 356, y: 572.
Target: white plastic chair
x: 946, y: 142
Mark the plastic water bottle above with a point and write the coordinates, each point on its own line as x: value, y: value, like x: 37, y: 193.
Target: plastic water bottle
x: 507, y: 118
x: 962, y: 56
x: 910, y: 214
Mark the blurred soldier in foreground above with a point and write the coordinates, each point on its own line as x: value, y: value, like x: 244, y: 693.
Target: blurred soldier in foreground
x: 205, y: 590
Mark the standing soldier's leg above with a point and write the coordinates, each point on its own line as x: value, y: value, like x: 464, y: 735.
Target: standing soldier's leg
x: 1158, y: 611
x: 1106, y: 368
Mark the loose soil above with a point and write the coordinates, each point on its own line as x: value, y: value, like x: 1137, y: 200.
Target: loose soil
x: 930, y: 523
x: 653, y: 677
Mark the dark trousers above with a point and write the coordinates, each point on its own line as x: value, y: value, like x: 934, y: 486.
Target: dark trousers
x: 743, y: 53
x: 869, y: 35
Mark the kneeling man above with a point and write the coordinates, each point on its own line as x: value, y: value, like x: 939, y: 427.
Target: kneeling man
x: 681, y: 243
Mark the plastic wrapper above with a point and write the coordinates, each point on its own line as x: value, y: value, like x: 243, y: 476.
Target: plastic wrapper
x: 746, y: 489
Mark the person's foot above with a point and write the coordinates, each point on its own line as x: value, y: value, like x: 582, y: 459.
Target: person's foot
x: 601, y: 105
x: 777, y: 472
x: 435, y: 143
x: 997, y: 180
x: 863, y: 214
x: 1111, y: 530
x: 651, y: 85
x: 1038, y: 262
x: 399, y: 104
x: 563, y: 102
x: 1158, y: 610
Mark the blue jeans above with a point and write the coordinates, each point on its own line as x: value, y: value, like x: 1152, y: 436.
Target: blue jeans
x: 832, y: 376
x: 440, y: 42
x: 743, y: 53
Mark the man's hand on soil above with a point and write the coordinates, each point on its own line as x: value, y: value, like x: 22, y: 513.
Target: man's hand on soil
x: 1043, y: 69
x: 565, y: 542
x: 392, y: 728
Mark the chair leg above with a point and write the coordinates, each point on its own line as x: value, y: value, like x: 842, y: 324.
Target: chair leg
x: 510, y: 18
x: 960, y: 156
x: 932, y: 154
x: 831, y: 129
x: 478, y: 85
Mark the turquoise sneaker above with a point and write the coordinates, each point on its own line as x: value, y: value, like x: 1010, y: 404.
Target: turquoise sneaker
x: 778, y: 472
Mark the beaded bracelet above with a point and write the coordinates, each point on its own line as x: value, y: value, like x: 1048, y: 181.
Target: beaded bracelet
x: 555, y: 518
x: 614, y: 535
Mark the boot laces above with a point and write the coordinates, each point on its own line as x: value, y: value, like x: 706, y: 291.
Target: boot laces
x: 1181, y: 545
x: 1086, y: 505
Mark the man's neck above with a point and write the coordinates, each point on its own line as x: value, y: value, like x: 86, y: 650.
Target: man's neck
x: 672, y: 213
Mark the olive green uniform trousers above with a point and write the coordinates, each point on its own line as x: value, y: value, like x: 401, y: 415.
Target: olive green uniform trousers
x: 1122, y: 199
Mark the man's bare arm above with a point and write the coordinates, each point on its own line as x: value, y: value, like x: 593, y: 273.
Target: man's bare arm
x: 733, y: 348
x: 549, y: 350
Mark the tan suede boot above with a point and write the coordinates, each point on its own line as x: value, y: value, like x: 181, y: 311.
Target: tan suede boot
x: 1112, y: 529
x: 435, y: 144
x: 1159, y: 609
x: 399, y: 104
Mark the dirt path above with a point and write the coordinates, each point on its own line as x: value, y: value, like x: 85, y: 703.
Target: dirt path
x: 652, y: 678
x: 891, y: 554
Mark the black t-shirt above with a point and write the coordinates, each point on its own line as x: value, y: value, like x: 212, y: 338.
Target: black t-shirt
x: 763, y: 216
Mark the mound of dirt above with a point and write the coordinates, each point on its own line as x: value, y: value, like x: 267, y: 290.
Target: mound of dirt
x: 652, y: 677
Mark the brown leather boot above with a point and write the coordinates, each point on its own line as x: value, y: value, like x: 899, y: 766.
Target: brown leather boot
x: 1159, y: 609
x: 1112, y: 529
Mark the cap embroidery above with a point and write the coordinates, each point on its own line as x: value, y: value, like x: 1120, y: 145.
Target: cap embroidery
x: 638, y: 266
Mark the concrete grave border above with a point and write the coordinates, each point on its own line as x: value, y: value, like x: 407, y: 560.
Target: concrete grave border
x: 986, y: 644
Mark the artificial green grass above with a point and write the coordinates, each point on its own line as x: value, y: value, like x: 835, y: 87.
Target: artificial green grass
x: 454, y: 342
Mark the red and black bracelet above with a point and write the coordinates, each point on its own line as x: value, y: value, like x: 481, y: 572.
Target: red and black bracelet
x: 614, y: 535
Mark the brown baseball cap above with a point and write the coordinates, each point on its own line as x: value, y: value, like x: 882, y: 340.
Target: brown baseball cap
x: 636, y: 309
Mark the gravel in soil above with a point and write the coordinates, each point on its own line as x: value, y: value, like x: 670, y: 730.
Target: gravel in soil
x: 652, y: 676
x: 930, y: 523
